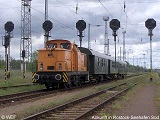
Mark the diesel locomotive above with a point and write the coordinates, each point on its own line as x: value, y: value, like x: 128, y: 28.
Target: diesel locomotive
x: 63, y: 64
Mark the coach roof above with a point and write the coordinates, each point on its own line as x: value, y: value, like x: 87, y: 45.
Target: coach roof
x: 98, y: 54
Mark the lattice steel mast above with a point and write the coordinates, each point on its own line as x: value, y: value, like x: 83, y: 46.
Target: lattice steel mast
x: 46, y: 18
x: 25, y: 44
x: 46, y: 9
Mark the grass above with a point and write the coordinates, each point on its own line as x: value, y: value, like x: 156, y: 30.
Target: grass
x: 123, y: 100
x: 158, y: 94
x: 21, y: 89
x: 17, y: 79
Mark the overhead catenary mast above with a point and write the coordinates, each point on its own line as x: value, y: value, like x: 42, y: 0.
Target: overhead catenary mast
x: 26, y: 43
x: 46, y: 18
x: 46, y: 9
x: 124, y: 51
x: 124, y: 32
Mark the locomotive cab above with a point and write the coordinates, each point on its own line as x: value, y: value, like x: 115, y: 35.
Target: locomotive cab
x: 55, y: 57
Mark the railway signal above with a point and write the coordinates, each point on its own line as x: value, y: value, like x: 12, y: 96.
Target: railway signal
x: 150, y: 24
x: 115, y: 25
x: 9, y: 26
x: 80, y: 25
x: 47, y: 26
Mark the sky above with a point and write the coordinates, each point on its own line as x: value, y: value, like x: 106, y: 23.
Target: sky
x: 65, y: 14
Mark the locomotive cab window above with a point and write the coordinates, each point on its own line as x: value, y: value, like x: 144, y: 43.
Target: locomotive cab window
x: 52, y: 45
x: 65, y: 45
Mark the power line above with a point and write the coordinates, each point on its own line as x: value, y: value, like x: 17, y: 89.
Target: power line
x: 106, y: 9
x: 134, y: 41
x: 50, y: 17
x: 36, y: 17
x: 130, y: 24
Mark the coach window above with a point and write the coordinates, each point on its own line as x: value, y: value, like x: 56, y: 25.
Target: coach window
x: 113, y: 64
x: 98, y: 60
x: 120, y: 66
x: 103, y: 62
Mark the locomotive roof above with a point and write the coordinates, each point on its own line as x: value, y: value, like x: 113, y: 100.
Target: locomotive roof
x: 98, y: 54
x: 50, y: 41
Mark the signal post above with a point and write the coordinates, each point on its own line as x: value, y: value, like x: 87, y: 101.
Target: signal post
x: 115, y: 25
x: 150, y: 25
x: 81, y: 25
x: 9, y: 26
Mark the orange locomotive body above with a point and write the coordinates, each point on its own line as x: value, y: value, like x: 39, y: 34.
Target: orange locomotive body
x: 61, y: 64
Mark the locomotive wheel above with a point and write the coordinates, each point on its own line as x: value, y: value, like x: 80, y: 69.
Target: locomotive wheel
x: 76, y: 83
x: 65, y: 85
x: 58, y: 85
x: 54, y: 85
x: 79, y: 82
x: 48, y: 85
x: 69, y: 84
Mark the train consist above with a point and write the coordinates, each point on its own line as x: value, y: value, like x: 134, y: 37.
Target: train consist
x: 64, y: 64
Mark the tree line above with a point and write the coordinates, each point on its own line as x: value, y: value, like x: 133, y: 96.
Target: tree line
x: 16, y: 64
x: 32, y: 65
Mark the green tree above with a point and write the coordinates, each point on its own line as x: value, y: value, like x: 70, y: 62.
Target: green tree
x: 15, y: 64
x: 32, y: 65
x: 2, y: 64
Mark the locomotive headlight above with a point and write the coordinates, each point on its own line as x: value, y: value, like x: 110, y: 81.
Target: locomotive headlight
x: 58, y: 77
x: 36, y: 77
x: 60, y: 66
x: 41, y: 66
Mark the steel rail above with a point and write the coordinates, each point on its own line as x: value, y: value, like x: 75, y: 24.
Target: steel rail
x: 103, y: 103
x: 38, y: 115
x: 12, y: 98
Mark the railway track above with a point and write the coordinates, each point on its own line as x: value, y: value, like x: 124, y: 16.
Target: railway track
x: 21, y: 97
x: 13, y: 98
x: 83, y: 107
x: 134, y: 75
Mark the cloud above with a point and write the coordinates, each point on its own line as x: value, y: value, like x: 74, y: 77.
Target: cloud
x: 63, y: 15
